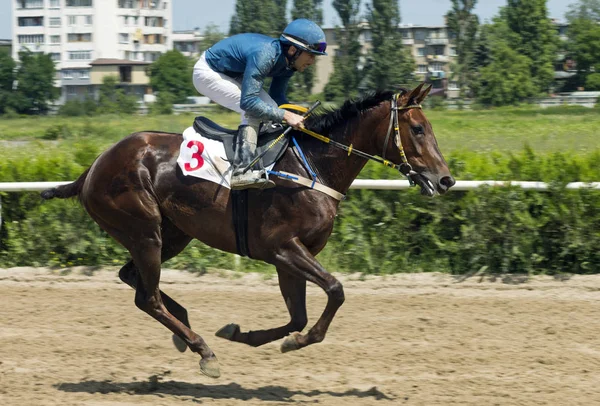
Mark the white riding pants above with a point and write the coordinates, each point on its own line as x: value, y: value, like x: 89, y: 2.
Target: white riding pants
x: 224, y: 90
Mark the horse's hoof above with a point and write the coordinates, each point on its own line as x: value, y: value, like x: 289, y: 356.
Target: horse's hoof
x: 210, y: 367
x: 228, y: 332
x: 179, y: 343
x: 290, y: 343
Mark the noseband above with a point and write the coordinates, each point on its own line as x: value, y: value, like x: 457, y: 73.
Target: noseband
x: 405, y: 168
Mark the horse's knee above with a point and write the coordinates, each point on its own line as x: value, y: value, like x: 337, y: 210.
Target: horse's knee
x: 335, y: 292
x: 146, y: 303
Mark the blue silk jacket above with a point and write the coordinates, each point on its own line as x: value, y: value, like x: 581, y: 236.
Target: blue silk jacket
x: 250, y: 58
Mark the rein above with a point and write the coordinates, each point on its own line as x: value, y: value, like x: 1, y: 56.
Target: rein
x: 404, y: 168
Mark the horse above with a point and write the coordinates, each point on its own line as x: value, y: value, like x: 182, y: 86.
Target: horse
x: 136, y: 192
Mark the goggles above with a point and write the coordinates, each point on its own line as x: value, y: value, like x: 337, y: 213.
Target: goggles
x: 318, y: 47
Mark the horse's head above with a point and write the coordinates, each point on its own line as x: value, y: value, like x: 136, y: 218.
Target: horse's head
x: 414, y: 146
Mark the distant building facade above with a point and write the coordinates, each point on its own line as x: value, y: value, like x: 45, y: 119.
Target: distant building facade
x: 187, y: 42
x: 433, y: 49
x: 78, y: 32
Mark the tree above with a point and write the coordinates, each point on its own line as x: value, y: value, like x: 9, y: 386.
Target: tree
x: 463, y: 24
x: 113, y: 100
x: 172, y: 73
x: 301, y: 84
x: 35, y: 83
x: 583, y: 43
x: 259, y: 16
x: 345, y: 78
x: 506, y: 78
x: 586, y: 9
x: 210, y: 36
x: 537, y: 38
x: 7, y: 80
x: 390, y: 64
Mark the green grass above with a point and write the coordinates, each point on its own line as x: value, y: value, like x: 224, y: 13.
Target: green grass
x: 503, y: 130
x: 564, y: 129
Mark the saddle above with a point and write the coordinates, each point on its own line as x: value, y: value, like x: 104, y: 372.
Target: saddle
x: 266, y: 135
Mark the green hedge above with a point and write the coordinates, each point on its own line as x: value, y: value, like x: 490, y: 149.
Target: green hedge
x: 491, y: 230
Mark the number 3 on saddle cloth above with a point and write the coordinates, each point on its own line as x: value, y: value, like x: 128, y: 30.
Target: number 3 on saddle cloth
x: 207, y: 150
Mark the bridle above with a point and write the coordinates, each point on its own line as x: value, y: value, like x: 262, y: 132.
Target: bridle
x: 405, y: 168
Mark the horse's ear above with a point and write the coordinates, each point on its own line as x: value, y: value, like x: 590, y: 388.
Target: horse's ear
x: 423, y: 95
x: 412, y: 96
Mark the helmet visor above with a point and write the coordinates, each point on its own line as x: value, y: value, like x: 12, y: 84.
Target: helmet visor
x: 318, y: 47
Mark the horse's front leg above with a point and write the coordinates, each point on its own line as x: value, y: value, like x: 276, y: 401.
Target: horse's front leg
x: 293, y: 290
x: 297, y: 259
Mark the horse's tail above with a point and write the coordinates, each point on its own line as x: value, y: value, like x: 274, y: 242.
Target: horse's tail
x: 66, y: 191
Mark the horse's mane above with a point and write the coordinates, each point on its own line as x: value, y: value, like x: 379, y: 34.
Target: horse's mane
x: 327, y: 119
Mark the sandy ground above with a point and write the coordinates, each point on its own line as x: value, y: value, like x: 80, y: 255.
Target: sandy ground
x: 76, y: 338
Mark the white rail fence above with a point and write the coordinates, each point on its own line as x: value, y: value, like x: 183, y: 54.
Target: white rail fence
x: 378, y: 184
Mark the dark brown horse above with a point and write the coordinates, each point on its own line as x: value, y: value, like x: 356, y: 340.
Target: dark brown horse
x: 136, y: 192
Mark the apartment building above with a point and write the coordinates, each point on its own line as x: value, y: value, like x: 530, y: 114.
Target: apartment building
x: 78, y: 32
x: 431, y: 47
x: 188, y: 42
x: 434, y: 51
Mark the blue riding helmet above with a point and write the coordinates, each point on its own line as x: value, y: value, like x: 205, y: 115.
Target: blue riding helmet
x: 306, y: 35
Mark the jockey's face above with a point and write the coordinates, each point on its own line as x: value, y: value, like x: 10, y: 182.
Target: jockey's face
x: 303, y: 61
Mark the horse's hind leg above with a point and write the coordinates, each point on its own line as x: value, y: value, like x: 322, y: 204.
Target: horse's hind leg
x: 174, y: 241
x: 137, y: 227
x: 147, y: 257
x: 293, y: 290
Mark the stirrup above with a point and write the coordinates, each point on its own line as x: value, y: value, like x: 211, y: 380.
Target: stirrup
x: 251, y: 180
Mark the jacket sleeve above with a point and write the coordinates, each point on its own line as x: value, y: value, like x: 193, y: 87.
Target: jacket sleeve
x: 278, y: 89
x: 257, y: 69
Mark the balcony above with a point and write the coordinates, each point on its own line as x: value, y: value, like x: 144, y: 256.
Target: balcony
x: 436, y: 41
x: 438, y: 58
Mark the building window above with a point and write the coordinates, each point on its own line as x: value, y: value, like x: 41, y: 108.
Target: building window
x: 72, y: 20
x: 125, y: 3
x: 88, y: 20
x: 422, y: 68
x: 54, y: 3
x: 55, y: 56
x: 30, y: 21
x: 55, y: 39
x: 28, y: 4
x: 79, y: 3
x: 420, y: 35
x: 79, y: 37
x: 125, y: 74
x: 123, y: 38
x: 75, y: 74
x: 80, y: 55
x: 30, y: 39
x: 153, y: 21
x: 453, y: 51
x: 421, y: 51
x: 436, y: 66
x: 406, y: 34
x: 439, y: 50
x: 54, y: 22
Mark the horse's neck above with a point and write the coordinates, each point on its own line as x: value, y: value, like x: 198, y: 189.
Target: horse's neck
x: 334, y: 166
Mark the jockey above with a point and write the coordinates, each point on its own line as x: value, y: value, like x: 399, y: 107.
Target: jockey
x: 232, y: 72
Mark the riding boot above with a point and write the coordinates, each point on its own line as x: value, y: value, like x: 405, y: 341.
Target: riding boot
x: 245, y: 151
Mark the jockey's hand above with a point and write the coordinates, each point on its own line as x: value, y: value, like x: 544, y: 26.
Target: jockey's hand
x: 293, y: 119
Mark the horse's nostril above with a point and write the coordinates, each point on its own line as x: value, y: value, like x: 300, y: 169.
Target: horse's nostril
x: 447, y: 182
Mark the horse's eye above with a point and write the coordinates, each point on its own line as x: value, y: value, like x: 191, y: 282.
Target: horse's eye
x: 417, y: 129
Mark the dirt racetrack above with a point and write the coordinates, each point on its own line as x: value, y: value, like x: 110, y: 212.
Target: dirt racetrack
x: 76, y: 338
